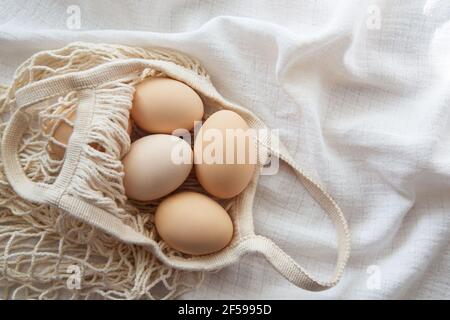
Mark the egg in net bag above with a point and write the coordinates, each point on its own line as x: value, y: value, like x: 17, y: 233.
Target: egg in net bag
x: 67, y: 229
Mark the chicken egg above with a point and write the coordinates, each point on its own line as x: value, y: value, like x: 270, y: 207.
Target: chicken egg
x: 161, y: 105
x: 224, y: 154
x: 63, y: 132
x: 155, y: 166
x: 192, y: 223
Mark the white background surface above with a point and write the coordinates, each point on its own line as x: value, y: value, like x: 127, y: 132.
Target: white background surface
x: 362, y: 104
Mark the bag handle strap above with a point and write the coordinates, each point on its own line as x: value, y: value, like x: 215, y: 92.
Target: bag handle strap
x: 37, y: 191
x: 279, y: 259
x: 22, y: 185
x: 91, y: 78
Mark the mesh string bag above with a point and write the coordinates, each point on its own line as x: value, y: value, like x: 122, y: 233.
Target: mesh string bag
x: 39, y: 243
x: 67, y: 229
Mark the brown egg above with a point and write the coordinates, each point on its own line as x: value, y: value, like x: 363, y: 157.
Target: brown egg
x: 192, y: 223
x: 62, y: 134
x: 130, y: 126
x: 161, y: 105
x: 155, y: 166
x: 224, y: 154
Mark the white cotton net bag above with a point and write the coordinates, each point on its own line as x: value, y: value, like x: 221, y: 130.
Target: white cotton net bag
x: 67, y: 229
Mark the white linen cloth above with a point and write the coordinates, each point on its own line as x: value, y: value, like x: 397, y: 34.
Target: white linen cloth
x: 360, y: 93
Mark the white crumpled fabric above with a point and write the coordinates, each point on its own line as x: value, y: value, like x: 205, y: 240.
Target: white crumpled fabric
x: 360, y: 93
